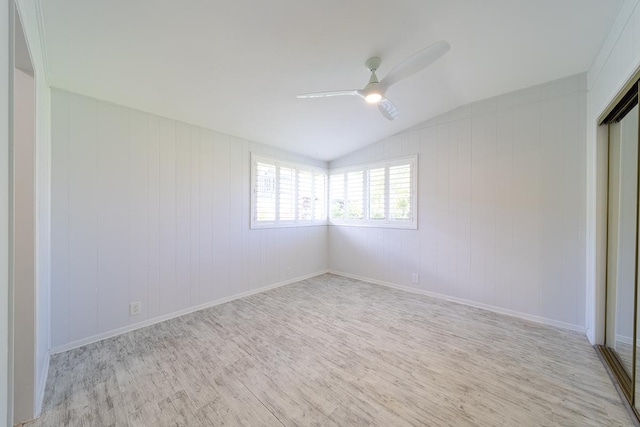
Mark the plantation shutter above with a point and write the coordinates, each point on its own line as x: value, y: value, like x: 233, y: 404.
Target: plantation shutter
x: 319, y: 191
x: 286, y: 194
x: 355, y: 192
x: 377, y: 193
x: 265, y: 196
x: 305, y: 195
x: 337, y: 208
x: 287, y: 201
x: 400, y: 196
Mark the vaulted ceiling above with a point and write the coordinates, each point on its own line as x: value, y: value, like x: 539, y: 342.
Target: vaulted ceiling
x: 236, y: 66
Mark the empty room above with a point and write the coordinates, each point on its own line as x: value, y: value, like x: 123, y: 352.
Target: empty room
x: 328, y: 213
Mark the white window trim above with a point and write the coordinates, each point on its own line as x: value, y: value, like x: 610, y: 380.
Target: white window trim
x: 255, y: 224
x: 378, y: 223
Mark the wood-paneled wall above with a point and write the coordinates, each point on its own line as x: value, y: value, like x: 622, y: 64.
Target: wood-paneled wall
x: 501, y: 214
x: 154, y: 210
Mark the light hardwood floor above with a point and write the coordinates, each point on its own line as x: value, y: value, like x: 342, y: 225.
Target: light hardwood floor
x: 335, y: 351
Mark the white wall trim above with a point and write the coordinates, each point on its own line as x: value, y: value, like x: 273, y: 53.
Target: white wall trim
x: 499, y: 310
x: 149, y: 322
x: 42, y: 385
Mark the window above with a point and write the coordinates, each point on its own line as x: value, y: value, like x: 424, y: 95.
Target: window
x: 286, y: 194
x: 375, y: 195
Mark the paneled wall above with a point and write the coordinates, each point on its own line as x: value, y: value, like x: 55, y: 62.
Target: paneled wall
x: 501, y: 218
x: 154, y: 210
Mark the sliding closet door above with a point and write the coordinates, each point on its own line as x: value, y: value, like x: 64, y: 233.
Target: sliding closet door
x: 620, y: 351
x: 623, y: 199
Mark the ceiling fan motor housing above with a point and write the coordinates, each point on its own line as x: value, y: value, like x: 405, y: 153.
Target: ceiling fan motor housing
x: 373, y: 63
x: 373, y: 92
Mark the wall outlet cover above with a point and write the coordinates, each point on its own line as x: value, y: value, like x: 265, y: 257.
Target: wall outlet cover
x: 134, y: 308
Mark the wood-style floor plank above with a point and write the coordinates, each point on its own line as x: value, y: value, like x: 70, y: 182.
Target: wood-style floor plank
x: 333, y: 351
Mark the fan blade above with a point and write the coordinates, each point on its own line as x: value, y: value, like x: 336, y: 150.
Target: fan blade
x: 416, y: 62
x: 387, y: 109
x: 328, y: 94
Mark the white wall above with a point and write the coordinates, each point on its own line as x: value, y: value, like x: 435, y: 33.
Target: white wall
x: 5, y: 27
x: 616, y: 62
x: 154, y: 210
x: 501, y: 219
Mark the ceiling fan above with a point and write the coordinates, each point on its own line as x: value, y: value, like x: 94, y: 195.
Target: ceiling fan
x: 374, y: 91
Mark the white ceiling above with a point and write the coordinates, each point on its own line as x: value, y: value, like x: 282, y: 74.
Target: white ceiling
x: 236, y: 66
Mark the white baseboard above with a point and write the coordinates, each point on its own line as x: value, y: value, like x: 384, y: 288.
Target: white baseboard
x: 626, y: 340
x: 471, y: 303
x: 42, y: 385
x: 158, y: 319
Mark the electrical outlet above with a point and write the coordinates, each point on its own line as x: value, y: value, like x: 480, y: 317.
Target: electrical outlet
x: 415, y: 278
x: 134, y: 308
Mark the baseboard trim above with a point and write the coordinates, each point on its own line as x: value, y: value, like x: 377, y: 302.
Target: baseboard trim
x: 115, y: 332
x: 499, y: 310
x: 42, y: 385
x: 626, y: 340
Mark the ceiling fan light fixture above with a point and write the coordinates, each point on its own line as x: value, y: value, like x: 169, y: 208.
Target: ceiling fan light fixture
x: 373, y: 98
x: 374, y: 92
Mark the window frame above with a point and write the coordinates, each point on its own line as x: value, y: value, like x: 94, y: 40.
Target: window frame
x: 366, y: 221
x: 298, y: 167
